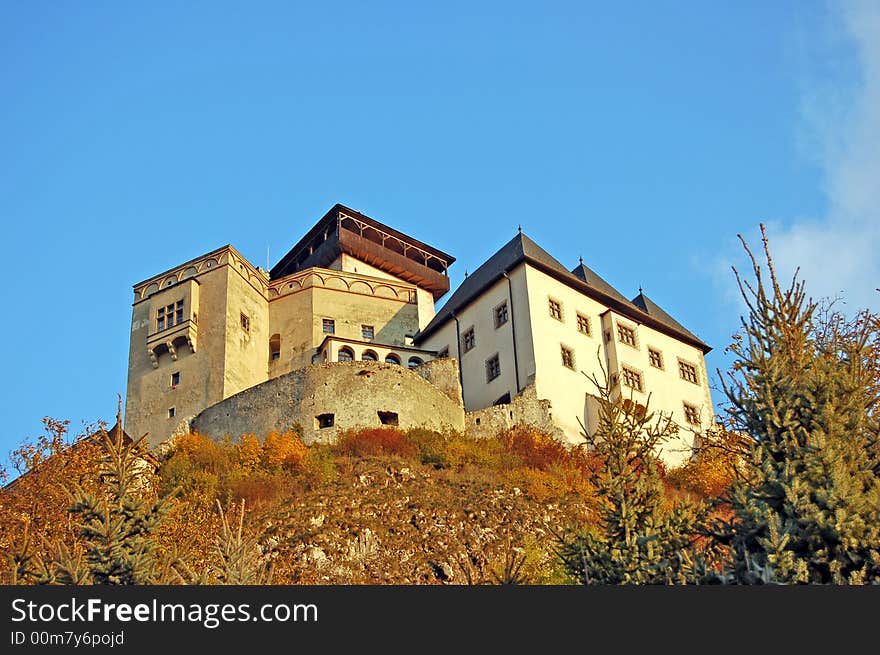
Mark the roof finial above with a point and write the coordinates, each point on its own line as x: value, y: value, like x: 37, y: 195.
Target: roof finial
x: 581, y: 260
x: 519, y: 228
x: 640, y: 290
x: 465, y: 274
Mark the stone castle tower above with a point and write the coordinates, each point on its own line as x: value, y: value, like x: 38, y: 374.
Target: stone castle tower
x: 350, y: 289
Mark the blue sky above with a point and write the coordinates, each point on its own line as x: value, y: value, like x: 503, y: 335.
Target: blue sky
x: 643, y: 138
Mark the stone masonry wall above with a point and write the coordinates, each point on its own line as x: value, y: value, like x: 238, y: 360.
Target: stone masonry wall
x: 354, y: 393
x: 524, y: 409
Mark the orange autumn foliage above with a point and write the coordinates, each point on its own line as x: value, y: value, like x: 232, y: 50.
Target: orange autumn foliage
x: 284, y: 450
x: 714, y: 467
x: 38, y: 500
x: 374, y: 441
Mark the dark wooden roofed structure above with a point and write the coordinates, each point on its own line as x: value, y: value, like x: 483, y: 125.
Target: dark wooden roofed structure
x: 344, y: 230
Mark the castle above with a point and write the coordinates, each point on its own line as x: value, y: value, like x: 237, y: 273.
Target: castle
x: 342, y: 332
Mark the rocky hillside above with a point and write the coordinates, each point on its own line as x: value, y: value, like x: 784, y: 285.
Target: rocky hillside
x: 388, y: 521
x: 379, y: 506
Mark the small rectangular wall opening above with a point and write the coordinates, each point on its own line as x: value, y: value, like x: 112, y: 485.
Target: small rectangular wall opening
x: 325, y: 421
x: 388, y: 418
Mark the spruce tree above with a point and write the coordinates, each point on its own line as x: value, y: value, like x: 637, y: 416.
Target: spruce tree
x: 804, y: 390
x: 118, y: 524
x: 637, y: 538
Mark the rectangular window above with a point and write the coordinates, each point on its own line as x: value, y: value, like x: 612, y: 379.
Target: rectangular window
x: 468, y: 340
x: 328, y: 325
x: 178, y: 314
x: 367, y: 332
x: 656, y: 358
x: 626, y: 334
x: 631, y: 378
x: 443, y: 353
x: 171, y: 412
x: 245, y: 322
x: 555, y: 309
x: 493, y: 368
x: 175, y: 378
x: 691, y: 414
x: 567, y: 357
x: 160, y: 319
x: 325, y: 421
x: 688, y: 372
x: 501, y: 314
x: 583, y: 324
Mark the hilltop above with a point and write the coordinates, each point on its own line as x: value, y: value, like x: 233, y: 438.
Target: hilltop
x: 380, y: 506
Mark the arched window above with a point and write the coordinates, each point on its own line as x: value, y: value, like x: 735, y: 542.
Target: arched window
x: 391, y: 358
x: 346, y: 354
x: 414, y: 362
x: 369, y: 356
x: 274, y: 347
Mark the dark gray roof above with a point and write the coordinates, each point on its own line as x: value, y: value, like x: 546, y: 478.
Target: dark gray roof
x: 518, y: 249
x: 652, y: 309
x: 522, y: 249
x: 590, y: 276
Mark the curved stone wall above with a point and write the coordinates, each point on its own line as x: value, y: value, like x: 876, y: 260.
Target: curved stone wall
x: 346, y: 394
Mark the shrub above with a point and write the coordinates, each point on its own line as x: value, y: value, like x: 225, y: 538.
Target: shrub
x: 432, y: 447
x: 375, y: 441
x: 256, y: 489
x: 284, y: 450
x: 319, y: 468
x: 712, y: 470
x: 248, y: 452
x: 203, y: 452
x: 535, y: 449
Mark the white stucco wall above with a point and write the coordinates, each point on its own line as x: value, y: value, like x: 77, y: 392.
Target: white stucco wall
x: 567, y: 389
x: 540, y: 338
x: 489, y: 340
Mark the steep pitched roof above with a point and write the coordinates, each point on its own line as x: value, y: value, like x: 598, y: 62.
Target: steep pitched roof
x: 652, y: 309
x: 522, y: 249
x: 518, y: 249
x: 592, y: 278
